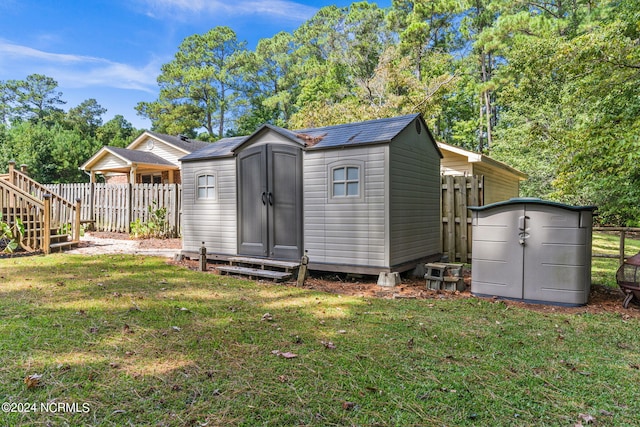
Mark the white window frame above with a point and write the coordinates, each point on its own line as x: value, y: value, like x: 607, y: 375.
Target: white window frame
x: 206, y: 186
x: 346, y: 198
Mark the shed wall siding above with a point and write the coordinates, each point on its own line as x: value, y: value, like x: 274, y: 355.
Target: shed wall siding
x: 345, y: 233
x: 414, y: 197
x: 498, y: 186
x: 213, y: 222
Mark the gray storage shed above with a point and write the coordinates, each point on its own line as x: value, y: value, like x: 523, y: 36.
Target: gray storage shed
x: 360, y: 197
x: 533, y: 250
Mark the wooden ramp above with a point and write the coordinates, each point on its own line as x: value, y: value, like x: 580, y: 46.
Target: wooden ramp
x: 254, y: 268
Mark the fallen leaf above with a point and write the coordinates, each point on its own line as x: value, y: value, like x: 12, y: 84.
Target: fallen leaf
x: 93, y: 330
x: 286, y: 355
x: 176, y: 328
x: 33, y: 380
x: 348, y: 406
x: 587, y: 418
x: 127, y: 329
x: 268, y: 317
x: 329, y: 345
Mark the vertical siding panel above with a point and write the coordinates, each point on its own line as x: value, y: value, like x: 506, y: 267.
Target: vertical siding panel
x: 414, y: 197
x: 350, y: 233
x: 214, y: 222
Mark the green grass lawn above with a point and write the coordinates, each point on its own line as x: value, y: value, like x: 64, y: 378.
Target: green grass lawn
x: 136, y: 341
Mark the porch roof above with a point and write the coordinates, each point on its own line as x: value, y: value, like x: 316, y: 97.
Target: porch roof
x: 117, y: 159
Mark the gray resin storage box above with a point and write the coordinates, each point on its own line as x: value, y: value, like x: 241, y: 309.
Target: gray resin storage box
x: 533, y: 250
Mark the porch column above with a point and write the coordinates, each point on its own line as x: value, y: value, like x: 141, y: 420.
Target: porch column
x: 171, y: 176
x: 132, y: 174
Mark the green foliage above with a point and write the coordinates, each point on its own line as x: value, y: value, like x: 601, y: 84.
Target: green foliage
x: 53, y: 144
x: 10, y: 235
x: 200, y: 88
x: 156, y: 226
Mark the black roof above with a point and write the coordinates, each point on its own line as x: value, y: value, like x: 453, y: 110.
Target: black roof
x: 186, y: 144
x: 350, y: 134
x: 139, y: 156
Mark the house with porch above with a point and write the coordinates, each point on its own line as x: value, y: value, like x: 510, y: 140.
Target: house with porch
x: 152, y: 158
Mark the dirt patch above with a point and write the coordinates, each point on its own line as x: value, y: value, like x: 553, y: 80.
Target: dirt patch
x: 602, y: 299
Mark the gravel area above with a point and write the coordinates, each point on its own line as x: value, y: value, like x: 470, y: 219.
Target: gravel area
x: 117, y: 243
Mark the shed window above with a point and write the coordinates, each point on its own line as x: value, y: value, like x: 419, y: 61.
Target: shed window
x: 346, y: 181
x: 206, y: 187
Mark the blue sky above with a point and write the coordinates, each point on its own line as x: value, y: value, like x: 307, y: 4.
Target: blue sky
x: 112, y: 50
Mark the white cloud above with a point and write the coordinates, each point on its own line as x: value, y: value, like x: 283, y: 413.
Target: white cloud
x: 185, y: 9
x: 76, y: 71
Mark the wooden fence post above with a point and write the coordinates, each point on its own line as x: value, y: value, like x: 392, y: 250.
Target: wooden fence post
x: 12, y: 167
x: 46, y: 232
x: 129, y: 199
x: 76, y: 225
x: 176, y: 210
x: 623, y: 235
x: 92, y: 203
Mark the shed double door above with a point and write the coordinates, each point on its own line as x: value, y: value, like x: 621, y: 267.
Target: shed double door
x: 531, y: 252
x: 270, y: 202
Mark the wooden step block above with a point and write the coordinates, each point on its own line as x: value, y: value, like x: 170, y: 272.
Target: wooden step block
x: 277, y: 276
x: 263, y: 262
x: 59, y: 247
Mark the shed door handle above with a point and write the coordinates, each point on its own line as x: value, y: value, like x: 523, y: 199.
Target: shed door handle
x: 270, y: 199
x: 523, y: 235
x: 264, y: 198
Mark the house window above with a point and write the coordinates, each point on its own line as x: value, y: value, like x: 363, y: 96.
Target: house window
x: 155, y: 178
x: 206, y: 187
x: 346, y: 181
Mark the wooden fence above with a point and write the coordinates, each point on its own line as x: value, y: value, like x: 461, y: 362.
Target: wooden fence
x: 458, y: 193
x: 113, y: 207
x: 621, y: 256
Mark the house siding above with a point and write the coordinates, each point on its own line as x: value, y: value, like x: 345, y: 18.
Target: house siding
x: 455, y: 164
x: 345, y: 232
x: 213, y: 222
x: 160, y: 149
x: 110, y: 162
x: 414, y: 197
x: 498, y: 186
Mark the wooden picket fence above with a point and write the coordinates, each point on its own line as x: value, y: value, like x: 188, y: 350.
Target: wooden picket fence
x: 113, y: 207
x: 458, y: 193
